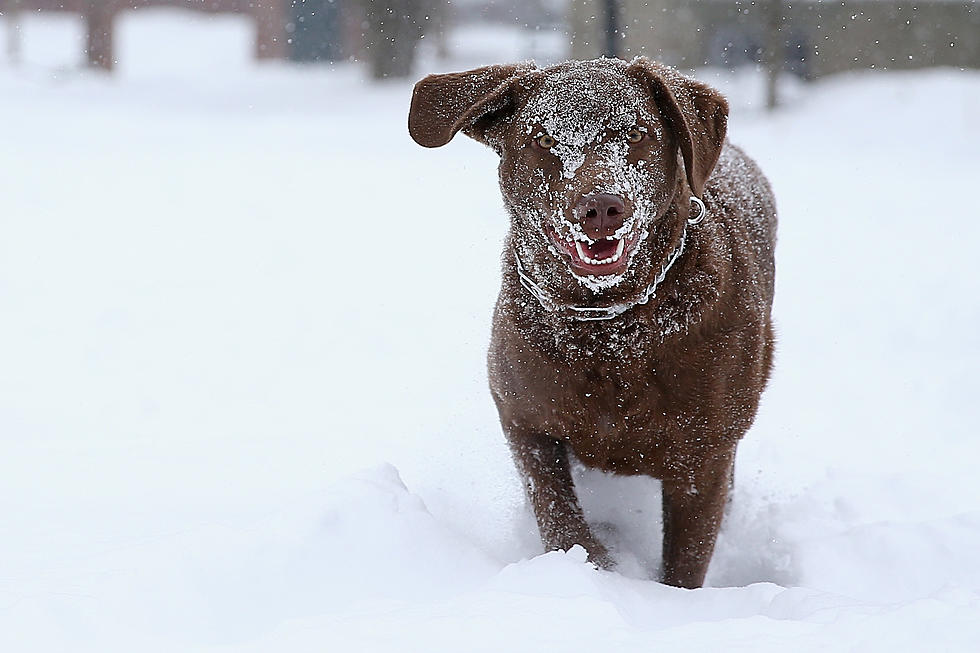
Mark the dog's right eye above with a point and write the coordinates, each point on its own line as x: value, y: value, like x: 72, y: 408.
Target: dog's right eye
x: 547, y: 141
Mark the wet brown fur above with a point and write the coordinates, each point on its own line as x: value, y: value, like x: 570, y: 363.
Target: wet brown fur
x: 666, y: 389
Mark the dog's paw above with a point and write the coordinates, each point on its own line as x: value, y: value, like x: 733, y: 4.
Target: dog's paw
x: 600, y: 557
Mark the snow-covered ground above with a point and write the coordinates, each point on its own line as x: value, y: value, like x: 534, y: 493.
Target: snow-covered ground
x: 243, y: 404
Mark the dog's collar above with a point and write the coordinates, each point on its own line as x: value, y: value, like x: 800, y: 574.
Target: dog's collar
x: 594, y: 313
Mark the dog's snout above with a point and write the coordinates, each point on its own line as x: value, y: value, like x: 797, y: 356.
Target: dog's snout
x: 601, y: 214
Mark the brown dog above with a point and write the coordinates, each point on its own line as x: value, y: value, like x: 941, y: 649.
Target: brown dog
x: 633, y: 325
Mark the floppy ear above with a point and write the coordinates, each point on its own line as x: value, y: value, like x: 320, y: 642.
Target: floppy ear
x: 697, y: 113
x: 469, y: 101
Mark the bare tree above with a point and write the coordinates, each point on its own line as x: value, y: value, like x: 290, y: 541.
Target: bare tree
x: 394, y: 30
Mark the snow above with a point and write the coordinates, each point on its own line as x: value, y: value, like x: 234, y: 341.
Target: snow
x: 228, y: 424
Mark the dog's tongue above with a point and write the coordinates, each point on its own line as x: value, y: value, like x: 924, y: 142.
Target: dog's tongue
x: 601, y: 249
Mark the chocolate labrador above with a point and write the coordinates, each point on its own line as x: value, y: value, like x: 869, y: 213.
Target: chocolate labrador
x: 633, y: 329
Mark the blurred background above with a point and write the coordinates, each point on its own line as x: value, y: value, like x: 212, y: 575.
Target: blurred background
x: 230, y: 283
x: 809, y: 39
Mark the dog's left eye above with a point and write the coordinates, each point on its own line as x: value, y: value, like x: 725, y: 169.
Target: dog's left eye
x: 634, y: 135
x: 547, y: 141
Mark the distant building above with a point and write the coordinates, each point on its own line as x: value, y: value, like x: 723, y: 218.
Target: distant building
x: 818, y: 37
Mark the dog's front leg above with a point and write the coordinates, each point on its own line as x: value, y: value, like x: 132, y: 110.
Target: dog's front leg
x: 543, y: 465
x: 694, y: 504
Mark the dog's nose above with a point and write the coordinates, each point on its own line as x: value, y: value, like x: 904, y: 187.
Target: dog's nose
x: 600, y: 214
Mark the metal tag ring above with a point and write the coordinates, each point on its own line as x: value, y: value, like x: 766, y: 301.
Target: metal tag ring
x: 701, y: 214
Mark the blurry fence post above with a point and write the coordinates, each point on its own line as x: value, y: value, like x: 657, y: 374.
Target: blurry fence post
x: 99, y: 16
x: 12, y: 19
x: 439, y: 24
x: 271, y: 38
x: 611, y: 12
x: 775, y: 50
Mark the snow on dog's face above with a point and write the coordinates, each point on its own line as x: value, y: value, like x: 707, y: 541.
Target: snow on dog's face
x: 589, y: 164
x: 585, y: 164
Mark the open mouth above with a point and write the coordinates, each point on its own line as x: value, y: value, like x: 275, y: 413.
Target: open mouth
x: 606, y: 256
x: 601, y: 252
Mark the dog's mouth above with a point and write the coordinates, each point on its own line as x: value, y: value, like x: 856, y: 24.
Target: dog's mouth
x: 604, y: 257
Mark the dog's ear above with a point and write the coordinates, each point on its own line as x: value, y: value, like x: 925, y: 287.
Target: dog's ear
x: 469, y: 101
x: 697, y: 113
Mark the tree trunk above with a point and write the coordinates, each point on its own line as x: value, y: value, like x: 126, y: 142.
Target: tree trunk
x: 270, y: 36
x: 611, y: 13
x: 12, y: 17
x: 775, y: 50
x: 99, y: 16
x: 394, y: 30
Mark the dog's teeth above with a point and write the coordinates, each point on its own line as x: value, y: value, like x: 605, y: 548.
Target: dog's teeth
x: 620, y: 248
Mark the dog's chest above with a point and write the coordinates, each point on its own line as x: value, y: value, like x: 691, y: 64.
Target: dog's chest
x: 615, y: 414
x: 605, y: 392
x: 616, y: 392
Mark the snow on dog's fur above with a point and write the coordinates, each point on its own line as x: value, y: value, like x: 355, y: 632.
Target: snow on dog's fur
x: 629, y: 332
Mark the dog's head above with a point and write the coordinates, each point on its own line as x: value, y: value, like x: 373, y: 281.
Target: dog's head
x: 589, y: 168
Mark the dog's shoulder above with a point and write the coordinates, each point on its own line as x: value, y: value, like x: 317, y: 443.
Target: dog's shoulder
x: 740, y: 201
x: 739, y: 192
